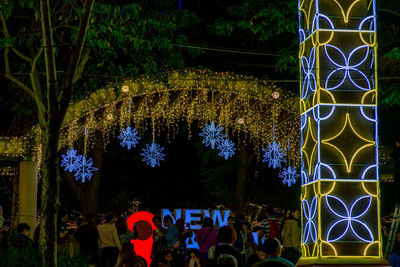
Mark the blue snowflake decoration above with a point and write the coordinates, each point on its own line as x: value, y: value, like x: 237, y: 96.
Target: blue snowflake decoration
x: 212, y: 134
x: 152, y: 154
x: 289, y: 176
x: 227, y: 148
x: 129, y: 137
x: 274, y: 155
x: 84, y: 168
x: 69, y: 159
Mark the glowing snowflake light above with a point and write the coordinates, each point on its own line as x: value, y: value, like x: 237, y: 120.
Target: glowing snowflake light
x: 84, y: 168
x: 227, y: 148
x: 152, y: 154
x: 274, y: 155
x: 129, y: 137
x: 289, y: 176
x: 212, y: 134
x: 69, y: 159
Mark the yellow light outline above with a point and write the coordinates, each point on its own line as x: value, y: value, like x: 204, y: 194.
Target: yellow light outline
x: 330, y: 245
x: 307, y: 14
x: 306, y: 106
x: 346, y: 16
x: 370, y: 44
x: 348, y: 164
x: 369, y: 245
x: 306, y: 143
x: 367, y: 191
x: 329, y: 39
x: 369, y: 92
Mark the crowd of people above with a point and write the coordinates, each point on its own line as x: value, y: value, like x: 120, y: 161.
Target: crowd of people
x: 108, y: 243
x: 231, y: 245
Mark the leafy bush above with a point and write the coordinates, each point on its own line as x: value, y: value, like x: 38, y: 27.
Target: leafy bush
x: 30, y: 257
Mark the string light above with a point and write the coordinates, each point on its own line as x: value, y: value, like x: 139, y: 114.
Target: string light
x: 152, y: 154
x: 185, y: 96
x: 129, y: 137
x: 84, y: 168
x: 68, y: 160
x: 212, y: 135
x: 288, y: 175
x: 227, y: 148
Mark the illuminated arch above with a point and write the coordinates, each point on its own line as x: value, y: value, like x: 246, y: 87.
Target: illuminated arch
x: 237, y: 102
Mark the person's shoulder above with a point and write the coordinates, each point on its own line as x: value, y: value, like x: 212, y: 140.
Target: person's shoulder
x: 286, y: 261
x: 291, y: 222
x: 277, y: 260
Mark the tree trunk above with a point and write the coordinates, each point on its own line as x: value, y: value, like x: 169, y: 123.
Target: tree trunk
x: 242, y: 174
x: 87, y: 194
x: 50, y: 192
x: 15, y: 202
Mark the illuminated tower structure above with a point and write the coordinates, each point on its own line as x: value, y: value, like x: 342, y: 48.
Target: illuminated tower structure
x: 338, y: 103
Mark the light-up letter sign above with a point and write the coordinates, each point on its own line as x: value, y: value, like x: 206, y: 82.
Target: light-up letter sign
x: 193, y: 218
x: 338, y: 106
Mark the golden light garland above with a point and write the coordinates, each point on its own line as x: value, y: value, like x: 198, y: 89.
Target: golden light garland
x: 243, y: 105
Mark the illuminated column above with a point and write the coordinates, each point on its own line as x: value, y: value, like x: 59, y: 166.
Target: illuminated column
x: 338, y: 98
x: 28, y: 193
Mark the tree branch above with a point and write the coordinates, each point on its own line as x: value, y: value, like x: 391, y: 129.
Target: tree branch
x: 65, y: 95
x: 389, y: 11
x: 12, y: 78
x: 8, y: 36
x: 50, y: 62
x: 37, y: 88
x: 83, y: 60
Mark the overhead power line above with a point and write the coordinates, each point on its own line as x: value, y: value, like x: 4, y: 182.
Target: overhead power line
x: 122, y: 76
x: 225, y: 50
x: 217, y: 49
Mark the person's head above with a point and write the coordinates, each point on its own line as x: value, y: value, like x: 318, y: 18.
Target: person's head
x: 157, y: 221
x: 62, y: 215
x: 23, y: 228
x: 2, y: 237
x: 168, y: 220
x: 80, y: 221
x: 128, y: 256
x: 261, y: 253
x: 127, y: 251
x: 287, y: 213
x: 121, y: 225
x: 272, y: 247
x: 246, y: 227
x: 180, y: 225
x: 109, y: 218
x: 141, y: 262
x: 397, y: 142
x: 226, y: 260
x: 207, y: 222
x: 295, y: 214
x: 169, y: 255
x: 194, y: 255
x: 231, y: 220
x: 269, y: 211
x: 225, y: 235
x: 91, y: 219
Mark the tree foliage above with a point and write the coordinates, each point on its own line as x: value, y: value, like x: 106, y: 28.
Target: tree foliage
x: 389, y: 52
x: 48, y: 47
x: 267, y: 22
